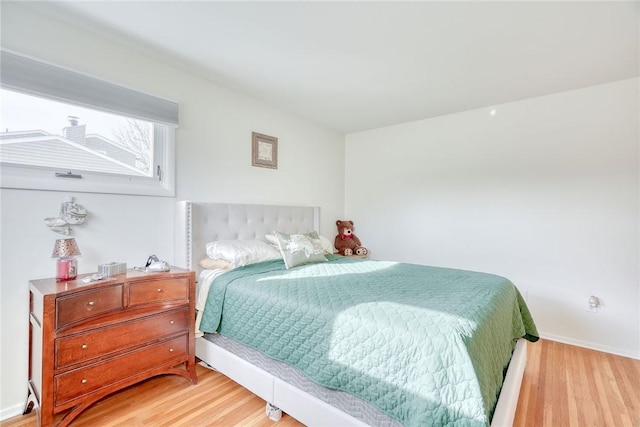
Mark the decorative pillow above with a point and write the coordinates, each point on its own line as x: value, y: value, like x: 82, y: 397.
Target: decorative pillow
x: 273, y: 240
x: 210, y: 264
x: 241, y: 252
x: 298, y: 249
x: 326, y: 244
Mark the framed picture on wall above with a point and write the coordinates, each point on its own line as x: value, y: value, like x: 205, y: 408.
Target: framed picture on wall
x: 264, y: 151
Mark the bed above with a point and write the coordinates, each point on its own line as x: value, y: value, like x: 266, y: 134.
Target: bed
x: 338, y: 391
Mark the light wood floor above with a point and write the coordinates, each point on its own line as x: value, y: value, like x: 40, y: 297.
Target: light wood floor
x: 571, y: 386
x: 562, y: 386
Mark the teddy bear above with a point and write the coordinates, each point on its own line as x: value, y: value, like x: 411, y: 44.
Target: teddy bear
x: 346, y: 242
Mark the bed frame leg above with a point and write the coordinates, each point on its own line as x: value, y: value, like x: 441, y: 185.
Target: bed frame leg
x: 273, y: 412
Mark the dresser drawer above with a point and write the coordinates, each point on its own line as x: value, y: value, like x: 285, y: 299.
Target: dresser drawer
x: 79, y: 348
x: 158, y: 290
x: 79, y: 382
x: 80, y: 306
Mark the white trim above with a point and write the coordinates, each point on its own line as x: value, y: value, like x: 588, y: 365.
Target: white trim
x: 589, y: 345
x: 183, y: 240
x: 12, y: 411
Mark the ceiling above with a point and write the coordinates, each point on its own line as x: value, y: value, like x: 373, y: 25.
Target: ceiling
x: 359, y: 65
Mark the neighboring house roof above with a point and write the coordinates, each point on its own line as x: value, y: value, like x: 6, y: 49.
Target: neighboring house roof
x: 22, y: 134
x: 110, y: 149
x: 40, y: 148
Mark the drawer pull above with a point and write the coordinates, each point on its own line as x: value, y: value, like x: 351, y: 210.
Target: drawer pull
x: 90, y: 305
x: 159, y: 289
x: 171, y: 322
x: 170, y: 350
x: 84, y: 381
x: 84, y: 346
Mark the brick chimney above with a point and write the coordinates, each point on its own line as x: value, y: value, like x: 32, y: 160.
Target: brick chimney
x: 74, y: 132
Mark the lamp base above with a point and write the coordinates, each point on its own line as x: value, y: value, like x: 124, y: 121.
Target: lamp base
x: 67, y: 269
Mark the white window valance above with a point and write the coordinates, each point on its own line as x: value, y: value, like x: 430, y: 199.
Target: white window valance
x: 50, y: 81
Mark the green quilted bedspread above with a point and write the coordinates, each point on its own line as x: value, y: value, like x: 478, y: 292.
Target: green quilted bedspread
x: 425, y: 345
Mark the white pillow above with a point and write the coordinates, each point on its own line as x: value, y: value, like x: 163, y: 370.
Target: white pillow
x: 298, y: 249
x: 241, y: 252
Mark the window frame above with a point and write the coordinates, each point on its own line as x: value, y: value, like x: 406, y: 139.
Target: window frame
x: 164, y: 118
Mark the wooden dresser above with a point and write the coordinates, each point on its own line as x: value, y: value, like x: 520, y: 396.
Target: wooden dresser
x: 88, y: 340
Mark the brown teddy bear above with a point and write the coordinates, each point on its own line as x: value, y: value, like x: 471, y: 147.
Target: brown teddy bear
x: 346, y: 242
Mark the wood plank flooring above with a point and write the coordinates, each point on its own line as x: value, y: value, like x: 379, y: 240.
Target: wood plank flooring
x: 562, y: 386
x: 173, y: 401
x: 570, y: 386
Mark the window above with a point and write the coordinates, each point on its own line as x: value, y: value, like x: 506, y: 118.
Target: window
x: 62, y: 130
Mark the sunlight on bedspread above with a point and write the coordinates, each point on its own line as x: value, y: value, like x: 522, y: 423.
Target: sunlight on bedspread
x: 382, y: 353
x: 318, y: 270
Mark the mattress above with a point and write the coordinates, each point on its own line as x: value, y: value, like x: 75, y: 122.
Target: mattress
x: 423, y: 345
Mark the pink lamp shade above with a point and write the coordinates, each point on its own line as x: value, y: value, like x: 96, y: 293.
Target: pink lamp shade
x: 66, y: 251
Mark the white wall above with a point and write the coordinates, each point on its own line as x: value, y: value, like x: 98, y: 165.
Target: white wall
x: 213, y: 164
x: 544, y: 192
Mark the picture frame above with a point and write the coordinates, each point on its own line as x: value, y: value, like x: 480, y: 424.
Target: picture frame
x: 264, y: 151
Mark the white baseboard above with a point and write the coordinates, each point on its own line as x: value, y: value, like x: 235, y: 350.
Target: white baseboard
x: 589, y: 345
x: 11, y: 411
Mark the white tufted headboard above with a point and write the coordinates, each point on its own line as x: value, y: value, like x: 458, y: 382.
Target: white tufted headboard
x: 200, y: 223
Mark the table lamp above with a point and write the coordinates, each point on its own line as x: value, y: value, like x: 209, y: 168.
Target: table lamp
x: 66, y: 251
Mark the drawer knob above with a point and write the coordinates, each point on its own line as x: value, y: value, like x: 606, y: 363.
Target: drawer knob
x: 90, y: 305
x: 159, y: 289
x: 171, y: 322
x: 84, y: 346
x: 84, y: 381
x: 170, y: 350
